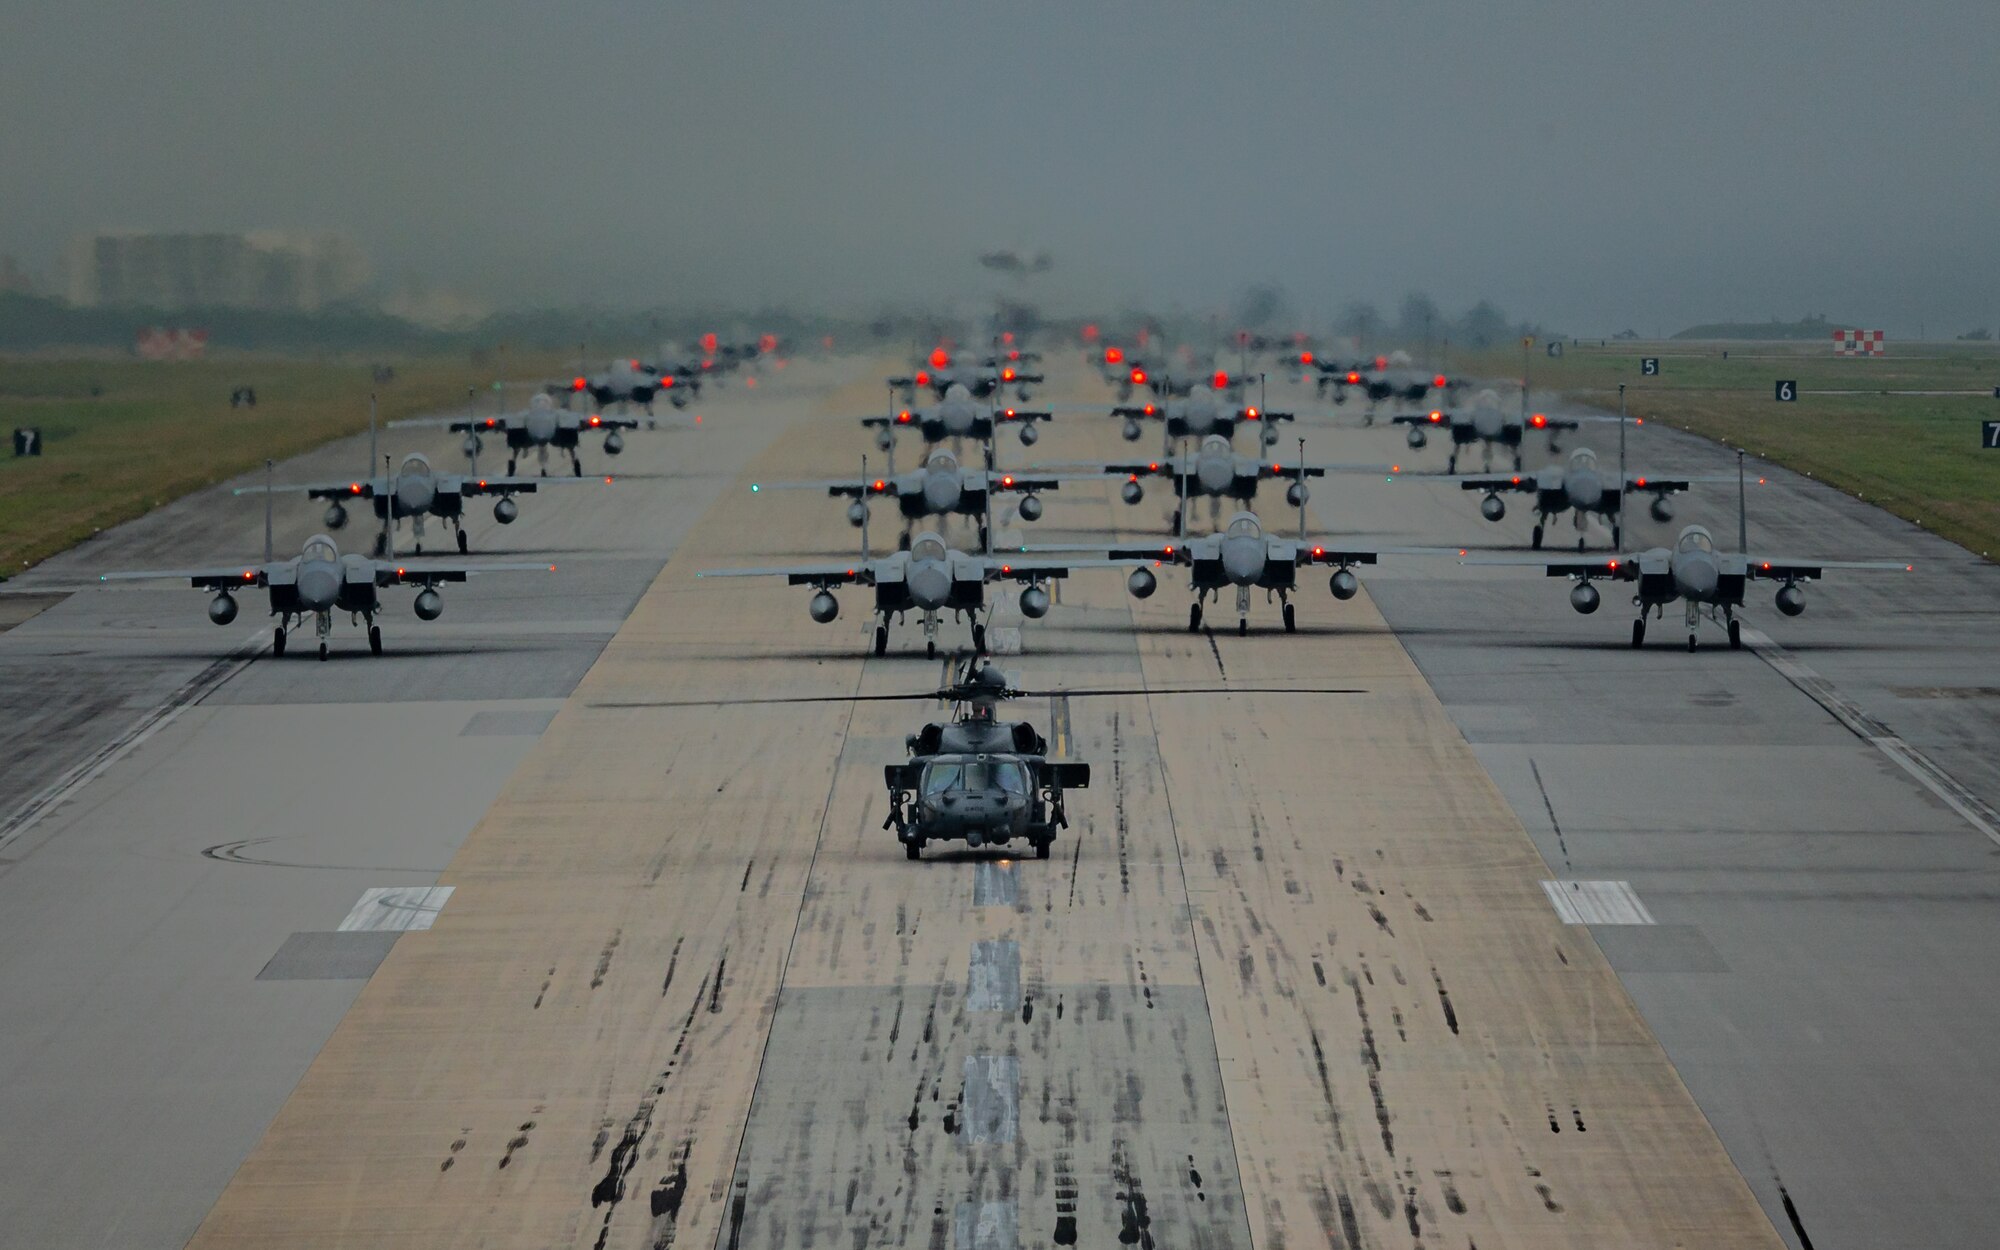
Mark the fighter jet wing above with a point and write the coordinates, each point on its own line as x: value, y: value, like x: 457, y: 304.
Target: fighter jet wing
x: 1491, y: 483
x: 862, y: 574
x: 1108, y: 554
x: 1023, y: 414
x: 212, y: 578
x: 513, y: 485
x: 1028, y: 481
x: 1624, y: 567
x: 395, y: 573
x: 459, y: 425
x: 839, y: 486
x: 1787, y: 569
x: 353, y: 488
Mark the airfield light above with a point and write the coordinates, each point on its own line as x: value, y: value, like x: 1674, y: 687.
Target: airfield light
x: 697, y: 419
x: 1760, y: 481
x: 608, y: 479
x: 751, y: 383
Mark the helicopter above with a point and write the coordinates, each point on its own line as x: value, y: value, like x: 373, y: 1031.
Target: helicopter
x: 979, y: 779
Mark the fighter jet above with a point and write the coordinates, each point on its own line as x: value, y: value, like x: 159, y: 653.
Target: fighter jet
x: 1216, y: 471
x: 541, y: 427
x: 320, y: 581
x: 940, y: 488
x: 622, y: 381
x: 959, y: 415
x: 1578, y: 486
x: 981, y: 377
x: 1710, y: 582
x: 1202, y: 412
x: 928, y: 579
x: 1383, y: 378
x: 415, y: 491
x: 1485, y: 423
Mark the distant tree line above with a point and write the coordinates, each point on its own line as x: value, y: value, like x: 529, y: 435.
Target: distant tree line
x: 1421, y: 320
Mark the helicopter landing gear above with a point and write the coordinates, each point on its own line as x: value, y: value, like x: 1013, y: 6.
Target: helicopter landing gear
x: 1194, y: 617
x: 375, y: 639
x: 881, y: 639
x: 1291, y: 619
x: 913, y: 849
x: 1639, y: 632
x: 1043, y: 846
x: 278, y: 641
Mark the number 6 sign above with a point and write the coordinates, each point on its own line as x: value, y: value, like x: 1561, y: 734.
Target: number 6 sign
x: 1788, y: 392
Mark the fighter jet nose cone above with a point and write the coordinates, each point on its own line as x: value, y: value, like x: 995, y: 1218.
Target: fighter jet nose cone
x: 1585, y: 490
x: 318, y: 587
x: 1697, y: 578
x: 929, y: 586
x: 941, y: 493
x: 1214, y: 476
x: 1242, y: 561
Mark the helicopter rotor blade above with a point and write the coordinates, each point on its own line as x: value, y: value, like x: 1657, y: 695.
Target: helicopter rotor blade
x: 962, y: 695
x: 1090, y: 691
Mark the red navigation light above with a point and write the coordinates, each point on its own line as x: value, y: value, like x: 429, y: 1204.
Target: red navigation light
x: 1395, y: 468
x: 1006, y: 568
x: 248, y: 574
x: 1251, y: 413
x: 903, y: 417
x: 1220, y: 380
x: 607, y: 482
x: 1277, y: 468
x: 482, y: 483
x: 633, y: 363
x: 1642, y: 481
x: 579, y: 384
x: 596, y: 420
x: 1113, y: 355
x: 1353, y: 377
x: 1767, y: 564
x: 1131, y: 477
x: 1638, y: 420
x: 1170, y: 549
x: 1381, y: 363
x: 939, y: 358
x: 1149, y: 410
x: 1009, y: 414
x: 1438, y: 381
x: 767, y: 342
x: 1539, y: 420
x: 667, y: 381
x: 923, y: 379
x: 1139, y: 377
x: 1436, y: 417
x: 1517, y: 481
x: 1305, y: 358
x: 1006, y: 336
x: 356, y: 488
x: 697, y: 419
x: 1760, y: 481
x: 751, y: 383
x: 708, y: 341
x: 1090, y: 333
x: 1013, y: 353
x: 1153, y: 467
x: 1319, y: 551
x: 880, y: 484
x: 1614, y: 564
x: 1008, y: 480
x: 1006, y: 375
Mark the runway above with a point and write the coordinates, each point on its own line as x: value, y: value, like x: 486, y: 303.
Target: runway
x: 1294, y: 977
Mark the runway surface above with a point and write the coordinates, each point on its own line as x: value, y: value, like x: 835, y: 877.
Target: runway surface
x: 1293, y: 978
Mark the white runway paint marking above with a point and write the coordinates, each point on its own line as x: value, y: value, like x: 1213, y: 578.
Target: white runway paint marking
x: 993, y: 981
x: 94, y: 765
x: 1596, y: 902
x: 1927, y: 771
x: 984, y: 1226
x: 397, y: 907
x: 1003, y: 640
x: 992, y: 1111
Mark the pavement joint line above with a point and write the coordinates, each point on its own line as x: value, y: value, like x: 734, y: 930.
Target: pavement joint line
x: 1927, y: 772
x: 197, y: 688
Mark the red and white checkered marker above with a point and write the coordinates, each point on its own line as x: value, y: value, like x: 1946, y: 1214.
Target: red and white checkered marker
x: 1857, y: 342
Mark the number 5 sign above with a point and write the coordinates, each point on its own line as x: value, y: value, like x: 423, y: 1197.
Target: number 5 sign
x: 1649, y: 366
x: 1787, y: 392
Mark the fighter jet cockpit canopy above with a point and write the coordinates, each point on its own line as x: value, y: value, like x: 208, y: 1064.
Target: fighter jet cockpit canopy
x: 1583, y: 458
x: 1243, y: 525
x: 928, y: 547
x: 1695, y: 538
x: 319, y: 547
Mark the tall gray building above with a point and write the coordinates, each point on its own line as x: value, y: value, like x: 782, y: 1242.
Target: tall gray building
x: 278, y: 271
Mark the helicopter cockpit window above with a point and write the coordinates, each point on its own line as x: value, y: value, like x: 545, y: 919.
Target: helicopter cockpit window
x: 1011, y: 777
x: 1695, y: 540
x: 939, y: 778
x: 927, y: 549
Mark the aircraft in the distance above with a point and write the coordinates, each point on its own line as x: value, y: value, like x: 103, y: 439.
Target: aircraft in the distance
x: 1215, y: 471
x: 981, y: 377
x: 623, y: 382
x: 1486, y: 423
x: 1198, y: 414
x: 1710, y: 582
x: 540, y: 427
x: 1578, y: 486
x: 941, y: 488
x: 959, y: 415
x: 320, y: 581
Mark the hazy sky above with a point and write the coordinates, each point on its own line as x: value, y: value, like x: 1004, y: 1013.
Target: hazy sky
x: 1591, y: 165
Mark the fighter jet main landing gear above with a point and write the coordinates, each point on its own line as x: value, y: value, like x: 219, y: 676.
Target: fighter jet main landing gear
x: 375, y: 639
x: 1291, y: 619
x: 1535, y: 539
x: 882, y: 638
x: 1639, y: 632
x: 278, y: 641
x: 1194, y: 616
x: 1735, y: 634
